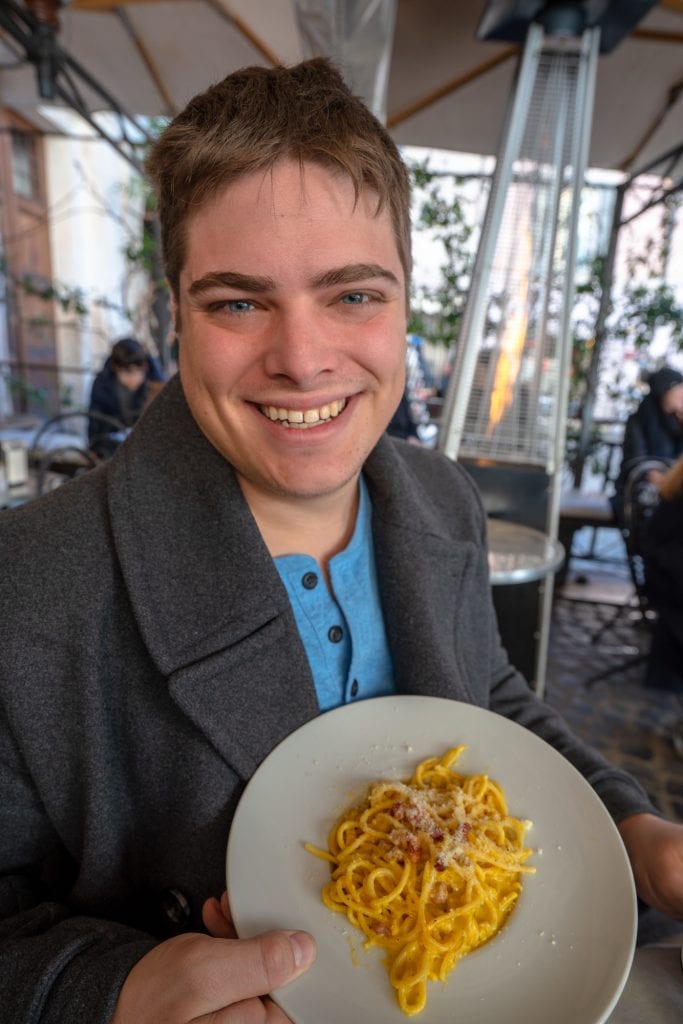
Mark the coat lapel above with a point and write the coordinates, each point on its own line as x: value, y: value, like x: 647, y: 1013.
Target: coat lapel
x: 207, y: 599
x: 424, y: 574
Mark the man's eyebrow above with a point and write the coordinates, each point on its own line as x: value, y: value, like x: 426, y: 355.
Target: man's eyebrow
x: 353, y: 272
x: 231, y: 279
x: 350, y: 273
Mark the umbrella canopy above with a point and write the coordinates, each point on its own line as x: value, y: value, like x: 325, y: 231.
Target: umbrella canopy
x: 446, y: 89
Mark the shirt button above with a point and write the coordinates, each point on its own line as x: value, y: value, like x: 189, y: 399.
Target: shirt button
x: 335, y: 634
x: 354, y: 688
x: 309, y: 580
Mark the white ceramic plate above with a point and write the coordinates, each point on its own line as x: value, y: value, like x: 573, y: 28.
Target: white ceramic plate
x: 564, y: 955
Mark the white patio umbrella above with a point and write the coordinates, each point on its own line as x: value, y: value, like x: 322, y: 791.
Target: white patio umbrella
x: 445, y: 89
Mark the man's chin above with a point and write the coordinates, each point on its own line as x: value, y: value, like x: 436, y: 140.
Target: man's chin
x: 309, y: 490
x: 301, y: 485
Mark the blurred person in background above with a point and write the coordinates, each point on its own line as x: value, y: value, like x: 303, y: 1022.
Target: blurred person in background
x: 654, y: 430
x: 128, y: 380
x: 402, y: 424
x: 663, y: 560
x: 412, y: 419
x: 663, y: 557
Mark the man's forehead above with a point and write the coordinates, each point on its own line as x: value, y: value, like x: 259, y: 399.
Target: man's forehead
x: 240, y: 224
x: 295, y: 184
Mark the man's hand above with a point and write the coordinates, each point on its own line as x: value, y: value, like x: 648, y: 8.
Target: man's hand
x: 217, y: 918
x: 213, y: 979
x: 655, y: 849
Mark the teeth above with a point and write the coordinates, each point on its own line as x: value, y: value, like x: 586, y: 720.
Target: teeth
x: 303, y: 417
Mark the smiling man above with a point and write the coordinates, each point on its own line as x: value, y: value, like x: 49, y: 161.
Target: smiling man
x: 257, y: 552
x: 293, y: 351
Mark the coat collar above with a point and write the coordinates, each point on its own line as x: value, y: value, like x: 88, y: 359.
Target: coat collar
x: 425, y: 562
x: 210, y: 604
x: 207, y: 599
x: 189, y: 548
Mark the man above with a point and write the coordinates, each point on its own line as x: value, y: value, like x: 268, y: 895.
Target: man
x: 156, y: 636
x: 663, y: 565
x: 653, y: 431
x: 125, y: 384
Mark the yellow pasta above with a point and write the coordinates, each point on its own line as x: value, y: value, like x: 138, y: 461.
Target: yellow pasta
x: 428, y: 869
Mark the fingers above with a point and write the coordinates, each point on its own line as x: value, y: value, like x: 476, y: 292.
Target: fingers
x: 191, y: 976
x: 250, y: 1011
x: 221, y: 972
x: 655, y: 848
x: 216, y: 921
x: 257, y: 966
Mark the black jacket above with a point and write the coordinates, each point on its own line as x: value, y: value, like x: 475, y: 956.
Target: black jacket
x: 663, y: 554
x: 105, y: 399
x: 649, y: 433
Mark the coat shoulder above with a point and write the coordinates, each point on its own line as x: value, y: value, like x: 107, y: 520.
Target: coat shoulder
x: 416, y: 488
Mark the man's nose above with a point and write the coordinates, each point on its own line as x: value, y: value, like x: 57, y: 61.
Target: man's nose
x: 301, y: 347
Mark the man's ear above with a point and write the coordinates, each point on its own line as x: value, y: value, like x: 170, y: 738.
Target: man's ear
x: 175, y: 311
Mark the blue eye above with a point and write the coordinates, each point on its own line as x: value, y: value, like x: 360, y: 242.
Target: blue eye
x: 236, y: 306
x: 355, y: 298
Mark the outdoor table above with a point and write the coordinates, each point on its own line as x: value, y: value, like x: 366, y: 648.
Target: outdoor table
x: 518, y: 554
x: 19, y: 494
x: 49, y: 442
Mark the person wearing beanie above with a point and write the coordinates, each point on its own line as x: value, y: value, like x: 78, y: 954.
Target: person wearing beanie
x: 654, y: 430
x: 121, y: 390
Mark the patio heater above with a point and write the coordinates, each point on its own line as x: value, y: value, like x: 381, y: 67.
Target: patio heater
x: 505, y: 410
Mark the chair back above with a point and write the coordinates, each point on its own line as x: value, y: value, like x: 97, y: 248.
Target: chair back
x: 640, y: 500
x: 72, y: 442
x: 72, y: 427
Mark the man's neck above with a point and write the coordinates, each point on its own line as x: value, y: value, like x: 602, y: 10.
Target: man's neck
x: 319, y: 526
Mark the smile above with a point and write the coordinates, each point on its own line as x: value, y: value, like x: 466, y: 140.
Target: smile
x: 303, y: 419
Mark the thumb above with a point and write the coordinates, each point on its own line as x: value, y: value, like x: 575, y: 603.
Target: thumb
x: 256, y: 966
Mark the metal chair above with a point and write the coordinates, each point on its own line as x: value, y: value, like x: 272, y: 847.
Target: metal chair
x: 640, y: 500
x: 65, y: 445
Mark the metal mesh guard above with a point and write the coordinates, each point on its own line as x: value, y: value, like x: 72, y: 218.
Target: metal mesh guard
x: 513, y: 399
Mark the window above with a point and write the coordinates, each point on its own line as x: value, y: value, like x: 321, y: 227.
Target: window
x: 25, y: 180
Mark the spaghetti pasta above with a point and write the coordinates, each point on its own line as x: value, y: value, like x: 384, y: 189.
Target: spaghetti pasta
x: 428, y: 869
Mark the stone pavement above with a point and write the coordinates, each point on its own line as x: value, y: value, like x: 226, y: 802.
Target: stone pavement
x: 631, y: 724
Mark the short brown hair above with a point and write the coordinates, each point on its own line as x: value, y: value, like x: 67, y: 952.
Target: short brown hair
x: 258, y: 116
x: 128, y: 352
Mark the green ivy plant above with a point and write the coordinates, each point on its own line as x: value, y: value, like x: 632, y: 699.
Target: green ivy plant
x: 436, y: 309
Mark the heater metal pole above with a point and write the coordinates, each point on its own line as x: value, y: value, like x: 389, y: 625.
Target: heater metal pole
x: 585, y: 93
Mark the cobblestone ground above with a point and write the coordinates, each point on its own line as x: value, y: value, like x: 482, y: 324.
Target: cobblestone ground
x: 631, y: 724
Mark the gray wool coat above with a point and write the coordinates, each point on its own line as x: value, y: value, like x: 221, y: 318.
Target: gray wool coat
x: 149, y: 661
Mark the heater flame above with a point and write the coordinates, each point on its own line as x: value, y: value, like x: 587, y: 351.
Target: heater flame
x: 511, y: 345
